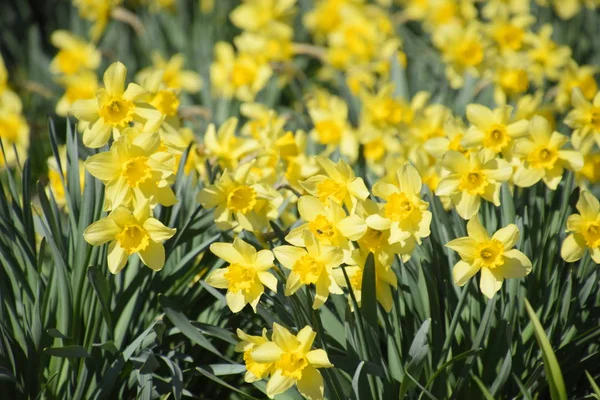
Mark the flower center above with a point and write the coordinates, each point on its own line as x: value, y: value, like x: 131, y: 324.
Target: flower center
x: 510, y: 36
x: 322, y: 229
x: 592, y: 235
x: 166, y: 102
x: 455, y: 144
x: 372, y: 240
x: 241, y: 199
x: 595, y: 117
x: 496, y: 138
x: 240, y: 278
x: 331, y: 189
x: 469, y: 53
x: 386, y: 112
x: 308, y: 269
x: 398, y: 207
x: 117, y: 111
x: 491, y: 253
x: 473, y: 182
x: 514, y: 81
x: 329, y: 131
x: 133, y: 239
x: 136, y: 171
x: 374, y: 150
x: 543, y: 157
x: 242, y: 74
x: 69, y: 61
x: 291, y: 365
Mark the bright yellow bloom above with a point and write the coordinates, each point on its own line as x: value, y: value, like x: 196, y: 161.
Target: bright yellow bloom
x: 471, y: 179
x: 584, y: 118
x: 98, y: 12
x: 494, y: 256
x: 134, y: 169
x: 492, y: 129
x: 171, y: 73
x: 295, y: 362
x: 55, y: 181
x: 237, y: 75
x: 405, y: 214
x: 329, y: 224
x: 339, y: 184
x: 572, y: 77
x: 548, y: 58
x: 115, y: 108
x: 511, y: 78
x: 75, y: 54
x: 269, y: 17
x: 14, y: 129
x: 241, y: 203
x: 543, y: 156
x: 584, y: 229
x: 255, y: 371
x: 509, y: 33
x: 246, y: 275
x: 225, y: 146
x: 311, y: 266
x: 80, y: 86
x: 130, y: 233
x: 3, y: 76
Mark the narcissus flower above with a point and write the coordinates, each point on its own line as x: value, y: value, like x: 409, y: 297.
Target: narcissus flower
x: 171, y: 73
x: 131, y: 232
x: 584, y: 229
x: 294, y: 362
x: 75, y: 54
x: 14, y: 130
x: 339, y: 184
x: 543, y: 156
x: 115, y: 108
x: 494, y: 256
x: 246, y: 275
x: 225, y: 146
x: 492, y: 129
x: 471, y: 179
x: 133, y: 170
x: 255, y: 371
x: 584, y: 119
x: 405, y: 214
x: 311, y: 266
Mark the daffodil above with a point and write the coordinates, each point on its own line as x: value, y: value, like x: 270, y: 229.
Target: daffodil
x: 225, y: 146
x: 241, y: 203
x: 171, y: 75
x: 75, y: 54
x: 115, y: 108
x: 271, y: 17
x: 479, y: 176
x: 131, y: 232
x: 544, y: 158
x: 133, y: 170
x: 255, y: 371
x: 55, y: 180
x: 584, y: 230
x: 294, y: 362
x: 494, y: 256
x: 572, y: 77
x: 329, y: 224
x: 311, y: 266
x: 584, y: 118
x: 548, y: 58
x: 98, y: 12
x: 246, y: 275
x: 14, y: 130
x: 492, y: 130
x: 405, y: 214
x: 80, y: 86
x: 339, y: 184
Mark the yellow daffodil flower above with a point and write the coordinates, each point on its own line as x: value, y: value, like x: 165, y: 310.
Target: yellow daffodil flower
x: 255, y: 371
x: 225, y: 146
x: 548, y: 58
x: 115, y: 108
x: 339, y: 184
x: 492, y: 129
x: 55, y: 181
x: 295, y: 362
x: 14, y: 130
x: 572, y: 77
x: 80, y: 86
x: 584, y: 118
x: 133, y: 170
x: 75, y: 54
x: 494, y: 256
x: 584, y: 229
x: 98, y: 12
x: 171, y: 74
x: 246, y: 275
x: 131, y: 232
x: 471, y: 179
x: 543, y: 156
x: 311, y: 266
x: 405, y: 214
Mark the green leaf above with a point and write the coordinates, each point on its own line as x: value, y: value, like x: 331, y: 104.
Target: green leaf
x: 418, y: 351
x: 594, y: 385
x: 67, y: 351
x: 551, y: 366
x: 484, y: 390
x: 222, y: 382
x: 225, y: 369
x: 368, y: 293
x: 102, y: 290
x: 356, y: 379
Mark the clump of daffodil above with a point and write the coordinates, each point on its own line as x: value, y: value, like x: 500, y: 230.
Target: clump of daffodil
x: 131, y: 232
x: 339, y: 183
x: 543, y: 157
x: 584, y: 118
x: 404, y: 213
x: 493, y: 255
x: 134, y: 169
x: 240, y: 202
x: 114, y: 108
x: 311, y: 266
x: 293, y: 362
x: 492, y: 129
x: 75, y: 54
x: 584, y: 230
x: 478, y: 176
x: 246, y: 275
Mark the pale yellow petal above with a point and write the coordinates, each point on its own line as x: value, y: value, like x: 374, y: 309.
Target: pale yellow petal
x: 114, y: 79
x: 157, y: 231
x: 516, y: 265
x: 101, y: 231
x: 153, y: 256
x: 463, y: 271
x: 490, y: 283
x: 509, y: 236
x: 573, y: 248
x: 311, y: 384
x: 288, y: 255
